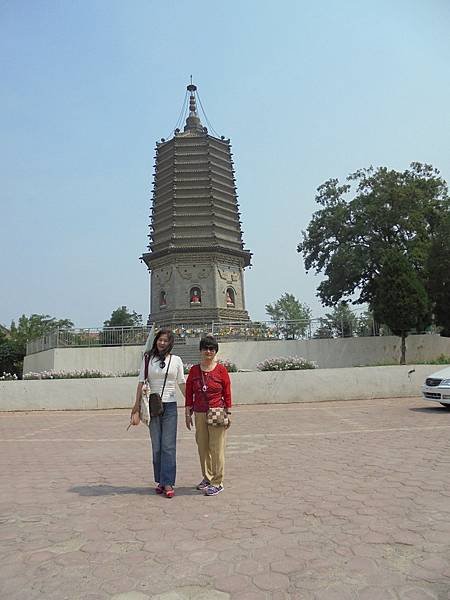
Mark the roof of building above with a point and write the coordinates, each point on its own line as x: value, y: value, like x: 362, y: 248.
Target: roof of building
x: 194, y: 195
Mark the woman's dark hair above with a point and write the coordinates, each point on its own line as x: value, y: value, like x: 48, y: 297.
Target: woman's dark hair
x: 209, y: 341
x: 154, y: 353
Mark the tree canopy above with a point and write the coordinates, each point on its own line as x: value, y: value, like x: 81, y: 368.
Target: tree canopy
x: 439, y: 275
x: 13, y: 345
x: 122, y: 317
x: 400, y: 300
x: 35, y: 326
x: 351, y: 239
x: 287, y: 308
x: 341, y: 322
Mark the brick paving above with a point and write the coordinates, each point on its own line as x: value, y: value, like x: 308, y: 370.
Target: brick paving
x: 322, y: 501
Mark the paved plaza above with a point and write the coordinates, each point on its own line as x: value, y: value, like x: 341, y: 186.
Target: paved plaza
x: 322, y: 501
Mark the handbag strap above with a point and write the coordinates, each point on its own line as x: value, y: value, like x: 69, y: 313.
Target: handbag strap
x: 165, y: 378
x: 147, y: 361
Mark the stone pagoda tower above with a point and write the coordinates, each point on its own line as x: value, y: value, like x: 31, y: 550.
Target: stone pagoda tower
x: 196, y: 254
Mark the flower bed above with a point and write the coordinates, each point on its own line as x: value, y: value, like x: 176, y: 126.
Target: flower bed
x: 286, y: 363
x: 229, y: 366
x: 84, y: 374
x: 8, y: 377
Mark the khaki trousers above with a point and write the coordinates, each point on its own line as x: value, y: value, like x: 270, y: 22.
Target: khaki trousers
x: 211, y: 449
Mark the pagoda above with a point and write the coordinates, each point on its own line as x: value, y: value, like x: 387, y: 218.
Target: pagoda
x: 196, y: 255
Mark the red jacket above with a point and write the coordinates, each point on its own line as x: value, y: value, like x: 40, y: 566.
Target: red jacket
x: 218, y: 388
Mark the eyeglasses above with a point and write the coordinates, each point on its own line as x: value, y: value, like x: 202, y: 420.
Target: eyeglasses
x: 209, y: 348
x: 162, y: 365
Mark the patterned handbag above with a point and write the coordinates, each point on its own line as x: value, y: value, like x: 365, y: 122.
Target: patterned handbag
x: 217, y: 417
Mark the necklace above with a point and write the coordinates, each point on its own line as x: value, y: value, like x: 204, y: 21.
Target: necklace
x: 205, y: 387
x: 206, y: 373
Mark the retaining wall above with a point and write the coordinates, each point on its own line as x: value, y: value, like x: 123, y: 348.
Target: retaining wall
x: 248, y: 388
x: 342, y: 352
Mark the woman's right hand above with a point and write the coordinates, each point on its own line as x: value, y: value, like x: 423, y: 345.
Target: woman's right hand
x: 189, y: 422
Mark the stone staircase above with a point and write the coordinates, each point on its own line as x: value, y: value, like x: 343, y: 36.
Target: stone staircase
x: 188, y: 352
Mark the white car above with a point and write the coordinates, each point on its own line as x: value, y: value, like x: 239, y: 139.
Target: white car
x: 437, y: 387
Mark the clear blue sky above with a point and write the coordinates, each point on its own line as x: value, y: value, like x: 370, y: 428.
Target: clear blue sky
x: 305, y: 90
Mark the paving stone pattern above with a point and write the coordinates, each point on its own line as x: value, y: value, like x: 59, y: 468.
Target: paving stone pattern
x: 325, y: 501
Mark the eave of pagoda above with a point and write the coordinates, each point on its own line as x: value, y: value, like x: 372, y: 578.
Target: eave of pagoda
x: 215, y: 249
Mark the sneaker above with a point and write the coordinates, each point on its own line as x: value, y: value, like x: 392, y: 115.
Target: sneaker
x: 213, y: 490
x: 159, y: 489
x: 204, y: 483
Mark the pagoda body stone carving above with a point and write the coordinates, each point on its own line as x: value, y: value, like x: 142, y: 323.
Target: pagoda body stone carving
x: 196, y: 254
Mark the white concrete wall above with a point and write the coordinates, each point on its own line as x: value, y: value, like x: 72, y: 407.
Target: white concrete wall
x: 108, y: 359
x: 248, y: 388
x: 342, y: 352
x: 39, y: 362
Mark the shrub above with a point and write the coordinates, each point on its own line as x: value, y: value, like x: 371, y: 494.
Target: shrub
x: 440, y: 360
x: 229, y: 366
x: 289, y: 363
x: 8, y: 377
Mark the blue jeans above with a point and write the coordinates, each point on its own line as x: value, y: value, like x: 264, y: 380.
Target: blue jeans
x: 163, y: 433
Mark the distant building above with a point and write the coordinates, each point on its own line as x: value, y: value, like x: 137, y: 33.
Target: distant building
x: 196, y: 254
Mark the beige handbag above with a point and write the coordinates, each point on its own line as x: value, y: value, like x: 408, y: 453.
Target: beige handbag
x: 144, y: 409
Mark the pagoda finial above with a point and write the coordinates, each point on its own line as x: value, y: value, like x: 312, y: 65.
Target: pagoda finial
x: 193, y: 121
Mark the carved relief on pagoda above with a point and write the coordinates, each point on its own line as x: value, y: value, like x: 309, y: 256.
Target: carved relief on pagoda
x: 192, y: 272
x: 230, y: 276
x: 162, y: 276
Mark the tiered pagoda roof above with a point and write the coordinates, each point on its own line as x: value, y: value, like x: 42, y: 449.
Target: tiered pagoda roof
x: 195, y: 206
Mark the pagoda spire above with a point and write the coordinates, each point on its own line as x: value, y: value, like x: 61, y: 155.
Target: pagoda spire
x: 193, y: 122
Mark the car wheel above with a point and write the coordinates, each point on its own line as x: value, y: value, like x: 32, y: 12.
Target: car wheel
x: 447, y: 406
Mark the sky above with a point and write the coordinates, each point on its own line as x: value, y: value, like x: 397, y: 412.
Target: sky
x: 305, y: 90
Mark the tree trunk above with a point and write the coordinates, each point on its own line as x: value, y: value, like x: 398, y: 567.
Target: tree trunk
x: 403, y: 355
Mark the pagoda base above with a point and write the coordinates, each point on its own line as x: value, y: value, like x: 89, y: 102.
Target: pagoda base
x: 201, y: 316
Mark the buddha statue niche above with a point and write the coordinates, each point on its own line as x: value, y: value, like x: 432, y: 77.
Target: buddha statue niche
x: 196, y: 297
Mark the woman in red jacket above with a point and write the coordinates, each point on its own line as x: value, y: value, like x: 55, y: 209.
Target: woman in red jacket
x: 208, y: 386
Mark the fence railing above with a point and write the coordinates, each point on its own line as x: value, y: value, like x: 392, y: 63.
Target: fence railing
x: 239, y: 330
x: 86, y: 338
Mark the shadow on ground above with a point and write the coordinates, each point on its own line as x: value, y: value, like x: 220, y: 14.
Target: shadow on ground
x: 113, y: 490
x: 430, y: 409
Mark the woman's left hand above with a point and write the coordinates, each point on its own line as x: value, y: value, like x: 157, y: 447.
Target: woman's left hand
x: 135, y: 418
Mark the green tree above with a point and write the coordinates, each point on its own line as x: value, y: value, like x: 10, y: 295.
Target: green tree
x: 439, y: 276
x: 287, y: 308
x: 121, y: 317
x: 342, y: 322
x: 11, y: 356
x: 367, y: 326
x: 400, y: 299
x: 13, y: 347
x: 376, y: 210
x: 35, y: 326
